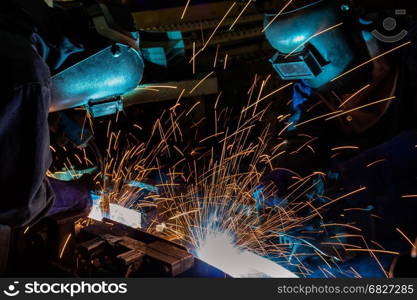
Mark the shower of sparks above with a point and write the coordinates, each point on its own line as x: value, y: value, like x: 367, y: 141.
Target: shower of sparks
x: 220, y: 207
x: 127, y: 169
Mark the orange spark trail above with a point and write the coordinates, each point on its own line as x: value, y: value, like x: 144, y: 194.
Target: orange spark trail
x: 345, y: 148
x: 371, y: 60
x: 65, y: 245
x: 406, y: 238
x: 185, y: 9
x: 240, y: 14
x: 267, y: 96
x: 277, y: 15
x: 354, y: 95
x: 312, y: 37
x: 409, y: 196
x: 342, y: 197
x: 362, y: 106
x: 374, y: 251
x: 225, y: 61
x: 200, y: 82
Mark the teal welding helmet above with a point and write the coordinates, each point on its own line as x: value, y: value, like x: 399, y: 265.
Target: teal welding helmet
x: 115, y: 68
x: 92, y: 50
x: 315, y: 42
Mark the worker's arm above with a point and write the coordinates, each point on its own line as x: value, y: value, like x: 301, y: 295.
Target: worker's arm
x: 24, y: 154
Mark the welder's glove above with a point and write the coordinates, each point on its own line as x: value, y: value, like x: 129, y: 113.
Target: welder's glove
x: 70, y: 196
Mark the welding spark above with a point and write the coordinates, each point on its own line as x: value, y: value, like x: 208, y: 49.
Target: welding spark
x: 371, y: 60
x: 185, y: 9
x: 361, y: 107
x: 240, y: 14
x: 200, y: 82
x: 407, y: 239
x: 222, y: 215
x: 65, y: 245
x: 354, y: 95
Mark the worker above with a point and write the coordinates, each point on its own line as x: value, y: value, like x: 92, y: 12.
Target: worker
x: 38, y: 40
x: 353, y: 65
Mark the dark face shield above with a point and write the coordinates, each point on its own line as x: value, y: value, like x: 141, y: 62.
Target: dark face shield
x: 311, y: 43
x: 305, y: 64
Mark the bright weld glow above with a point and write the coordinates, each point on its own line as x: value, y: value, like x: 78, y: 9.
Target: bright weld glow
x: 126, y: 216
x: 219, y: 251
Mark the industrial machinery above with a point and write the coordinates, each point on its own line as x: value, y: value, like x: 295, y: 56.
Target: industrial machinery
x: 72, y: 245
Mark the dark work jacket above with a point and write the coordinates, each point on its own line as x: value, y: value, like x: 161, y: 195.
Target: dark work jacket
x: 27, y: 194
x: 24, y: 133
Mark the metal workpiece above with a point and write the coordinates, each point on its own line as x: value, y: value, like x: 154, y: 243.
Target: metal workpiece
x: 112, y: 248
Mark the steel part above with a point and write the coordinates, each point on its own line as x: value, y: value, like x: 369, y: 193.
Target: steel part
x: 102, y: 208
x: 110, y: 247
x: 173, y: 259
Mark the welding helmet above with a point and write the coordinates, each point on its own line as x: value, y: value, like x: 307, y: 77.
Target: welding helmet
x: 315, y: 42
x: 112, y: 67
x: 92, y: 50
